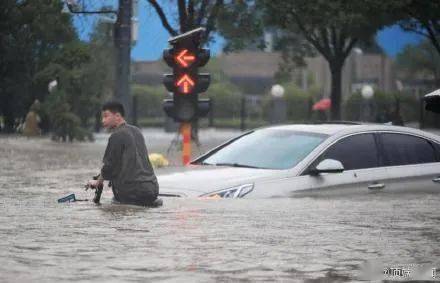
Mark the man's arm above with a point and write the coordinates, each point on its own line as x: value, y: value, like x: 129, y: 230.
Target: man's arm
x: 112, y: 158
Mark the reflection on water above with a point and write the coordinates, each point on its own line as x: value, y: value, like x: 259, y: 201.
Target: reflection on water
x: 192, y: 240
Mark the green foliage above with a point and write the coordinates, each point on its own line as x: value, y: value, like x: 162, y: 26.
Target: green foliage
x: 409, y: 106
x: 298, y: 103
x: 215, y: 69
x: 226, y: 98
x: 38, y: 44
x: 31, y: 32
x: 70, y: 107
x: 66, y: 125
x: 384, y: 107
x: 352, y: 107
x: 332, y: 27
x: 421, y: 17
x: 421, y: 60
x: 241, y: 23
x: 149, y: 99
x: 84, y: 75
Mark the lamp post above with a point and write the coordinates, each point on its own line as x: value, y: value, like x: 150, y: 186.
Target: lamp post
x: 277, y: 91
x: 367, y: 94
x: 357, y: 54
x: 278, y: 114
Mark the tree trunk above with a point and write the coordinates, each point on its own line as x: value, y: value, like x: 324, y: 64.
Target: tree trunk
x: 335, y: 95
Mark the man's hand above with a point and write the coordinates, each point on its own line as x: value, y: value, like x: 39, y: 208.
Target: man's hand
x: 93, y: 184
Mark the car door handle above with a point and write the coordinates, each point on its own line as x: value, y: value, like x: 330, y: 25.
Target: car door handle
x: 436, y: 180
x: 376, y: 186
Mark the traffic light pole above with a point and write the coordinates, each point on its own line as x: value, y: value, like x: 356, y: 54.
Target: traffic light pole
x: 123, y: 47
x: 185, y: 57
x: 185, y: 131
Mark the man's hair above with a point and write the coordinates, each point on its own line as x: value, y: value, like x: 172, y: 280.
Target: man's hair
x: 114, y: 107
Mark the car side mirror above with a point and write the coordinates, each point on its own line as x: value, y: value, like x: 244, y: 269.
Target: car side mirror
x: 328, y: 166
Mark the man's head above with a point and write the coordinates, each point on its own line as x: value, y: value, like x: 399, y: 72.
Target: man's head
x: 112, y: 114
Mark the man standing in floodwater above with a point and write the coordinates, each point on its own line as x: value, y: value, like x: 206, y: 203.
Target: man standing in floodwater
x: 126, y: 162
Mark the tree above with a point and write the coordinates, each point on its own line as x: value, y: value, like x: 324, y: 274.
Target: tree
x: 332, y: 27
x: 70, y: 106
x: 30, y: 33
x: 84, y: 79
x: 420, y: 60
x: 422, y: 17
x: 244, y: 25
x: 100, y: 72
x: 191, y: 14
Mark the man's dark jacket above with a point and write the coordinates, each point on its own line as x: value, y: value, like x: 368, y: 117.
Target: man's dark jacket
x: 127, y: 166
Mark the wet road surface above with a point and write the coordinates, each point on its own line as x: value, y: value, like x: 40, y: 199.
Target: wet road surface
x: 293, y: 240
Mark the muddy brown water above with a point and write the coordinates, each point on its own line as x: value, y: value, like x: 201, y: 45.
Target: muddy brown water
x: 296, y: 239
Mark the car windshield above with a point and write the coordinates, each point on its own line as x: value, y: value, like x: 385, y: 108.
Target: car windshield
x: 266, y: 148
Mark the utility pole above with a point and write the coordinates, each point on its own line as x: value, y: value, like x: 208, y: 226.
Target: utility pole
x: 123, y: 47
x: 122, y: 42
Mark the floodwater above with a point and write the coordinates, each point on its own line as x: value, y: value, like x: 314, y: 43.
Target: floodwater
x: 290, y: 240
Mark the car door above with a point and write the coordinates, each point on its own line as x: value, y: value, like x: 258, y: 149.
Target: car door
x: 411, y: 162
x: 362, y: 174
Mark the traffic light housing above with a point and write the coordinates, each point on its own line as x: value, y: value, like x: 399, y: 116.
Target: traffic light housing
x: 184, y: 110
x: 185, y: 57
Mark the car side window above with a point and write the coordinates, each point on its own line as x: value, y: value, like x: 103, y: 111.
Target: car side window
x: 437, y: 149
x: 401, y: 149
x: 354, y: 152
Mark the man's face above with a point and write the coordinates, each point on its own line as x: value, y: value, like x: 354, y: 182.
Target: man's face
x: 109, y: 119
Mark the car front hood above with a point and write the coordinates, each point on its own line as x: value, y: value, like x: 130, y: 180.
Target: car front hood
x: 196, y: 180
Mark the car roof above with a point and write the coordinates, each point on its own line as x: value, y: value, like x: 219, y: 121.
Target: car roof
x: 328, y: 129
x: 348, y: 128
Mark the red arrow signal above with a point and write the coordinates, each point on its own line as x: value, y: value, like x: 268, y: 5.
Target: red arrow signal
x: 185, y: 83
x: 184, y: 58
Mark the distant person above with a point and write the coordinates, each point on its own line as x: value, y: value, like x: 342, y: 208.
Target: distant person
x: 31, y: 124
x: 126, y: 162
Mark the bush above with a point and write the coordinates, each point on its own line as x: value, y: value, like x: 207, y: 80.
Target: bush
x: 383, y: 107
x: 149, y: 100
x: 352, y: 107
x: 298, y: 103
x: 226, y: 98
x: 65, y: 125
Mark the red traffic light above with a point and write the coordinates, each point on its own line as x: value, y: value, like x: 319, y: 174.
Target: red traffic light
x: 185, y: 84
x: 185, y: 58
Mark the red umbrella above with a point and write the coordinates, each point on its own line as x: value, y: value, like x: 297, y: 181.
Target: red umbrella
x: 323, y: 104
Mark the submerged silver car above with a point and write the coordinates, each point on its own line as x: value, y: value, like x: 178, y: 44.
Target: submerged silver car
x: 291, y: 160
